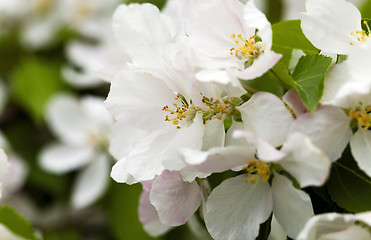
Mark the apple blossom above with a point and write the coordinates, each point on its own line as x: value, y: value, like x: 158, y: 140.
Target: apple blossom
x: 82, y: 127
x: 334, y: 26
x: 230, y: 36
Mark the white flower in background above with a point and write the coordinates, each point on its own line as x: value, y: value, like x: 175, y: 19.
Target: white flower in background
x: 333, y: 26
x: 336, y: 226
x: 46, y: 17
x: 97, y: 63
x: 265, y: 122
x: 4, y: 165
x: 3, y: 96
x: 16, y: 173
x: 82, y: 127
x: 230, y: 36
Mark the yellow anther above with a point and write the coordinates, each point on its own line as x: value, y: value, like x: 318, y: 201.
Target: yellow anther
x: 246, y: 48
x: 362, y: 115
x: 259, y: 170
x: 183, y: 113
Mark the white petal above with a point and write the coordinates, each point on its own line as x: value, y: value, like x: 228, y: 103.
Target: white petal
x: 59, y: 158
x: 218, y: 159
x: 261, y: 65
x: 264, y: 150
x: 91, y: 183
x: 149, y: 218
x: 123, y: 138
x: 214, y: 135
x: 235, y: 209
x: 266, y: 116
x: 4, y: 164
x: 210, y: 25
x: 255, y: 19
x: 277, y: 232
x: 6, y: 234
x: 360, y: 144
x: 158, y: 151
x: 307, y: 163
x: 327, y: 127
x: 353, y: 232
x: 292, y: 207
x: 326, y: 27
x: 174, y: 199
x: 141, y: 95
x: 323, y: 225
x: 137, y: 24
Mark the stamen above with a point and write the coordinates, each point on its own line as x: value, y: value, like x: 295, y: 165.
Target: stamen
x: 246, y: 49
x: 185, y: 113
x: 362, y: 115
x: 256, y: 170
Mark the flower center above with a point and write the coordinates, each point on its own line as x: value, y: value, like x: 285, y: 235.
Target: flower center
x: 257, y: 169
x: 245, y: 49
x: 362, y: 115
x: 360, y: 36
x: 185, y: 112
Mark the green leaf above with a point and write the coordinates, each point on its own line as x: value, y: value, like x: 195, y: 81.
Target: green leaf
x: 267, y: 83
x: 123, y: 212
x: 16, y: 223
x: 348, y: 186
x: 308, y: 77
x: 34, y: 82
x: 287, y: 36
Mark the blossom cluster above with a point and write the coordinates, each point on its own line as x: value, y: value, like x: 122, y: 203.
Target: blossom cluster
x: 237, y: 127
x: 188, y: 106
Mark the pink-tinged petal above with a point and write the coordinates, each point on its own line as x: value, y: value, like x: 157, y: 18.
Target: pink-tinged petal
x: 328, y: 129
x: 91, y: 183
x: 235, y: 209
x: 307, y: 163
x: 360, y: 144
x: 326, y: 27
x: 261, y: 65
x: 59, y: 158
x: 174, y: 200
x: 148, y: 216
x: 137, y: 24
x: 266, y: 116
x: 218, y: 159
x: 333, y: 226
x: 292, y: 99
x: 292, y: 207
